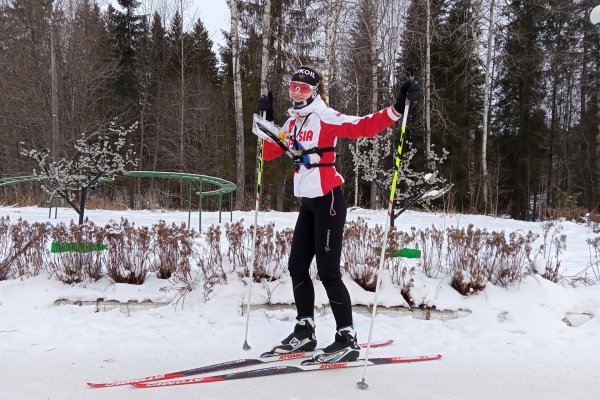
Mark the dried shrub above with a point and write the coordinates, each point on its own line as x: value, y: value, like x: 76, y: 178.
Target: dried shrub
x: 210, y: 261
x: 593, y: 221
x: 235, y: 234
x: 554, y: 243
x: 129, y: 252
x: 591, y: 274
x: 464, y: 259
x: 360, y: 252
x: 283, y: 245
x: 476, y: 256
x: 174, y: 246
x: 507, y: 259
x: 78, y: 266
x: 401, y: 273
x: 270, y: 253
x: 6, y: 248
x: 431, y: 242
x: 576, y: 214
x: 271, y: 247
x: 29, y: 247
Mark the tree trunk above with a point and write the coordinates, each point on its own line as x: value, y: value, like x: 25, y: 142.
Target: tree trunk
x: 357, y: 149
x: 54, y: 73
x: 82, y: 199
x: 476, y: 7
x: 486, y: 110
x: 428, y: 85
x: 264, y: 69
x: 374, y: 91
x: 597, y: 183
x: 182, y: 111
x: 333, y: 12
x: 237, y: 93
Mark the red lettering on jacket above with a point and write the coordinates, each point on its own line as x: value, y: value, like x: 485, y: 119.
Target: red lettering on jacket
x: 305, y: 136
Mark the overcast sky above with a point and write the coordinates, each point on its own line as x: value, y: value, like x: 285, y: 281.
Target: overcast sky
x: 215, y: 17
x: 213, y: 13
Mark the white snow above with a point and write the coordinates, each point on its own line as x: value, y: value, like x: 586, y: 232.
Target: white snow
x: 510, y: 343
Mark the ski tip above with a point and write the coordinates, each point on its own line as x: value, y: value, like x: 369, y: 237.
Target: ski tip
x: 105, y: 385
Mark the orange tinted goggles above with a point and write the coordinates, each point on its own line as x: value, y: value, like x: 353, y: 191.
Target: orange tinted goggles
x: 304, y: 88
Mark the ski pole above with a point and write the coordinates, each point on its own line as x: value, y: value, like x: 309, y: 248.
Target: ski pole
x: 259, y: 170
x: 363, y: 384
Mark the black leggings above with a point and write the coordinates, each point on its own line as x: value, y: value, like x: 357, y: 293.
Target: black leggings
x: 319, y: 230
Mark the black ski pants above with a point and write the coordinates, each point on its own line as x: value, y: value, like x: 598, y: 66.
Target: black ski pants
x: 318, y: 233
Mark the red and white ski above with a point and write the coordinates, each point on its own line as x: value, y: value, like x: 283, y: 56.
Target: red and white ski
x: 245, y: 362
x: 286, y: 369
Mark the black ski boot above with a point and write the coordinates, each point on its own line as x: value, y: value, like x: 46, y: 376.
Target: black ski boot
x: 344, y: 348
x: 302, y: 339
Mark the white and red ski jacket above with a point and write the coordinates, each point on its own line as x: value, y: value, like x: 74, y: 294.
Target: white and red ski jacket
x: 318, y: 125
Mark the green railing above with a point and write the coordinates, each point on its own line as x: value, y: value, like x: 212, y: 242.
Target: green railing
x: 223, y: 187
x: 18, y: 179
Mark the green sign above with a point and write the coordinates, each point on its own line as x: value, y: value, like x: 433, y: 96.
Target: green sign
x: 83, y: 247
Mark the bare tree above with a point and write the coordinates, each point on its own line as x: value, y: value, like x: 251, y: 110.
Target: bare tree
x: 266, y: 23
x: 486, y: 106
x: 54, y: 79
x: 428, y: 101
x: 332, y: 19
x: 237, y: 90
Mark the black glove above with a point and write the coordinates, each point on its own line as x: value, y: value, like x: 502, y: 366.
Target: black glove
x: 410, y: 90
x: 265, y: 104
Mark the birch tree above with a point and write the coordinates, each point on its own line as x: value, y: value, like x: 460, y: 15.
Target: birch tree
x: 266, y: 25
x: 237, y: 92
x: 486, y: 106
x: 332, y: 17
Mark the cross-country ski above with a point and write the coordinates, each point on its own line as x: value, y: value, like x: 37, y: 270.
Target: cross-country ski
x: 287, y: 369
x: 264, y: 359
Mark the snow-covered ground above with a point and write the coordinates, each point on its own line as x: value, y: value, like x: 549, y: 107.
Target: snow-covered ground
x: 514, y: 343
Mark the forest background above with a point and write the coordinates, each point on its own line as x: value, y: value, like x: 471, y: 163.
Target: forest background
x: 510, y: 120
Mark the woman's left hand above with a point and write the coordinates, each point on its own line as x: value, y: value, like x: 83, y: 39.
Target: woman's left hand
x: 411, y: 90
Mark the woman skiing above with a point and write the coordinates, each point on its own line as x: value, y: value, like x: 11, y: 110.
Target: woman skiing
x: 312, y: 131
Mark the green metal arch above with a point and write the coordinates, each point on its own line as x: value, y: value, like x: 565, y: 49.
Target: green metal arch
x: 225, y: 187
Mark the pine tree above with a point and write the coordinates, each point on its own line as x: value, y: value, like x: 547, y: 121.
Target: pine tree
x: 520, y: 118
x: 125, y: 30
x: 457, y: 77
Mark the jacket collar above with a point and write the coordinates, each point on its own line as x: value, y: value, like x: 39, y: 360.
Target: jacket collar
x: 317, y: 103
